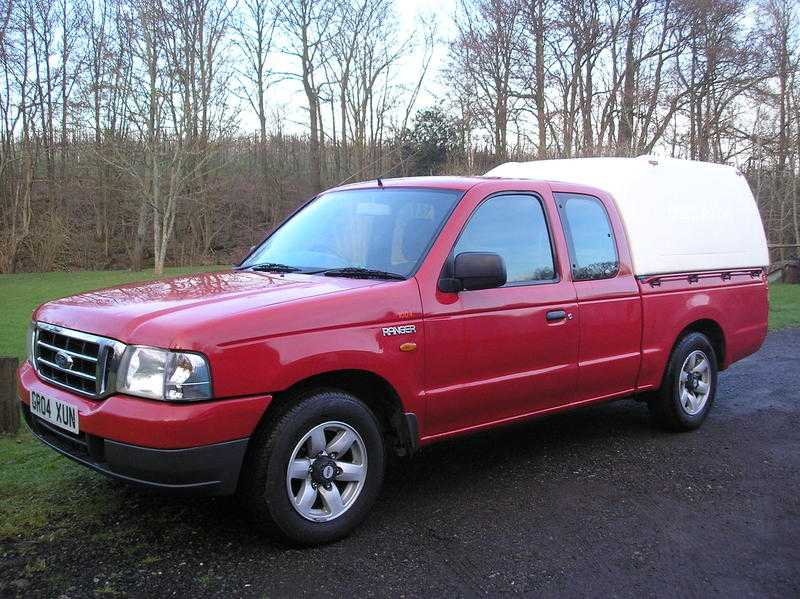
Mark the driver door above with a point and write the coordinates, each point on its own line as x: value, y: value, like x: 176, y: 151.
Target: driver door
x: 497, y: 354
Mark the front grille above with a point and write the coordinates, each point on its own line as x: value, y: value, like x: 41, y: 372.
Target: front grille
x: 76, y: 360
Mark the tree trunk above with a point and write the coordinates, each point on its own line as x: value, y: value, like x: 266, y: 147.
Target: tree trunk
x: 539, y: 93
x: 313, y: 115
x: 628, y: 88
x: 316, y: 162
x: 137, y: 256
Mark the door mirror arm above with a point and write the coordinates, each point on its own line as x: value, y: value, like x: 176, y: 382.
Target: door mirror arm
x: 450, y: 285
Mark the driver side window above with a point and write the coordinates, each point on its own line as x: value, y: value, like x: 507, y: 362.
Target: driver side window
x: 514, y: 227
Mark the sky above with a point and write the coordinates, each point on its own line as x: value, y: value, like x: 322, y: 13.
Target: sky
x: 443, y: 11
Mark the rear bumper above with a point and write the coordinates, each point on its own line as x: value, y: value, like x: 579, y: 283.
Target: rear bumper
x: 204, y: 470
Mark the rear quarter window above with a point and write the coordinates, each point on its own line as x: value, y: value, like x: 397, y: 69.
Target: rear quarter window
x: 592, y: 247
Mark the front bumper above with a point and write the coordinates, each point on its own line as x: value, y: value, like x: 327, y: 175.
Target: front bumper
x: 194, y: 448
x: 205, y: 470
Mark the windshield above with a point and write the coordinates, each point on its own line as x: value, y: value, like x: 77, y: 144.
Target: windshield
x: 378, y: 229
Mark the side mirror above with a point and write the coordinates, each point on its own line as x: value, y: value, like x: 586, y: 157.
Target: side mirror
x: 475, y: 270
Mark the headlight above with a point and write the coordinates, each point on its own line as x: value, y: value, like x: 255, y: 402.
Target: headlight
x: 31, y: 336
x: 162, y: 374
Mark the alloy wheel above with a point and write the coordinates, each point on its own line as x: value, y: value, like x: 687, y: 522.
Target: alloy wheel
x: 327, y: 471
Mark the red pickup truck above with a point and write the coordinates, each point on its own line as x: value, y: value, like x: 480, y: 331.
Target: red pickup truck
x: 386, y: 315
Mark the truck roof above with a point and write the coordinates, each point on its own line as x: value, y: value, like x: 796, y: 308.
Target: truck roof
x: 679, y: 215
x: 436, y: 182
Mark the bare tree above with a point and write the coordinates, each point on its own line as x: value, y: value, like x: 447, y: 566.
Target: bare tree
x: 124, y: 123
x: 538, y: 23
x: 484, y: 59
x: 69, y: 18
x: 307, y: 24
x: 20, y: 146
x: 779, y: 30
x: 720, y: 66
x: 255, y: 35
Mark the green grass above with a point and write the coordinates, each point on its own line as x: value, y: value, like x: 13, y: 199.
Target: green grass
x: 784, y: 306
x: 38, y: 487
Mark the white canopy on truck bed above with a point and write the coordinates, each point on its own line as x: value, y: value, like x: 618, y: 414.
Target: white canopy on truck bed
x: 679, y: 215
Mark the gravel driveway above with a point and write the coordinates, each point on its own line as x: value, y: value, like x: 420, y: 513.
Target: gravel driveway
x: 595, y: 502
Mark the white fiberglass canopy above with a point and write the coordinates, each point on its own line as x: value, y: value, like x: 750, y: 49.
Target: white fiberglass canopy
x: 679, y: 215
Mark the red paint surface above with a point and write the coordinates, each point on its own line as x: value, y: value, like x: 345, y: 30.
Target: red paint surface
x: 483, y: 357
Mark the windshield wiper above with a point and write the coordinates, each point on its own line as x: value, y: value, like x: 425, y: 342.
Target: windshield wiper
x: 271, y: 267
x: 355, y: 272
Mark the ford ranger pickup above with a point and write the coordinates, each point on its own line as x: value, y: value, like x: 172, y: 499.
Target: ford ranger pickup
x: 386, y: 315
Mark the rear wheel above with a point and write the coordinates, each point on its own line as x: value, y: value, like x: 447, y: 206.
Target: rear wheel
x: 313, y: 475
x: 690, y: 385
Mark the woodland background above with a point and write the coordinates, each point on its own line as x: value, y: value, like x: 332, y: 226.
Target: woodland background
x: 139, y: 133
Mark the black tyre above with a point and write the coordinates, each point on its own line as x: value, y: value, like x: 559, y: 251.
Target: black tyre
x: 689, y: 387
x: 313, y: 474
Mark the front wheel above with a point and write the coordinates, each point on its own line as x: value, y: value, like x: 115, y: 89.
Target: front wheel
x: 313, y: 475
x: 689, y: 386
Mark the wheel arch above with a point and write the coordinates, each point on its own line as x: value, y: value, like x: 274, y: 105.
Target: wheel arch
x: 711, y: 329
x: 708, y: 327
x: 399, y: 428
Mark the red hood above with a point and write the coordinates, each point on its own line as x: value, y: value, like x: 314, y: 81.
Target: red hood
x: 125, y: 312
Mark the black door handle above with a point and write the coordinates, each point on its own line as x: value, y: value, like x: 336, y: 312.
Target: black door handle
x: 553, y: 315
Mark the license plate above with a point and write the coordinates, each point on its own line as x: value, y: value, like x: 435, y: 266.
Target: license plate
x: 55, y: 412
